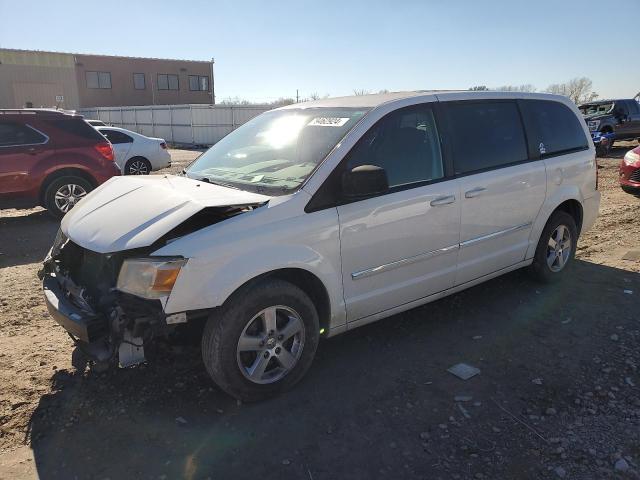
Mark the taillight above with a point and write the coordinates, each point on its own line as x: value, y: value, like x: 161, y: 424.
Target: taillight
x: 105, y: 149
x: 163, y: 145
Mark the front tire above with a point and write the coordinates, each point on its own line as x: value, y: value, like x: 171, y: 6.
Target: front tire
x: 262, y: 340
x: 556, y: 248
x: 63, y: 193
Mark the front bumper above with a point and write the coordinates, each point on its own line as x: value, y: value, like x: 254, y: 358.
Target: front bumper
x: 85, y: 326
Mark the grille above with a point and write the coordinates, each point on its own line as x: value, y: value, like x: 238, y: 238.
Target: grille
x: 635, y: 175
x: 95, y: 272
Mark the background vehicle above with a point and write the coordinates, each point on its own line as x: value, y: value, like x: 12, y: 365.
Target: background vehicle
x: 620, y: 118
x: 630, y: 172
x: 280, y: 232
x: 135, y: 153
x: 96, y: 123
x: 50, y: 158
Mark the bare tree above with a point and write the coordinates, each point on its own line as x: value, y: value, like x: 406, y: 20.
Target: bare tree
x: 479, y: 88
x: 234, y: 101
x: 578, y: 89
x: 314, y: 96
x: 361, y: 91
x: 384, y: 90
x: 525, y: 87
x: 283, y: 101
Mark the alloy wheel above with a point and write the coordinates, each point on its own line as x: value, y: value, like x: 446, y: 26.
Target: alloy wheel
x: 559, y: 248
x: 271, y: 344
x: 68, y: 195
x: 138, y: 167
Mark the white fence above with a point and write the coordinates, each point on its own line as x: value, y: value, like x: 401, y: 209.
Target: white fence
x: 180, y: 124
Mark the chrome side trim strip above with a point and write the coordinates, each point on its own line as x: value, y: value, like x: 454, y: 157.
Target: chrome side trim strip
x: 499, y: 233
x: 400, y: 263
x: 423, y: 256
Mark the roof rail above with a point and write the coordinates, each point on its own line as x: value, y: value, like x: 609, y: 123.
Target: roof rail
x: 35, y: 111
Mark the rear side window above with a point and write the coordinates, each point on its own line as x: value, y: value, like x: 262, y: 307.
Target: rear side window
x: 557, y: 129
x: 116, y: 137
x: 16, y: 134
x: 77, y: 127
x: 405, y: 143
x: 485, y: 135
x: 634, y: 107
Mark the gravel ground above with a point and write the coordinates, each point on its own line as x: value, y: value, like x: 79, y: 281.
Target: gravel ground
x: 557, y: 396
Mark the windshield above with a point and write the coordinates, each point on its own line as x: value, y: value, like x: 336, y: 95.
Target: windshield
x: 596, y: 108
x: 275, y: 152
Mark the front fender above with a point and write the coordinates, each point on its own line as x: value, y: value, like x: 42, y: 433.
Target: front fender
x: 309, y: 243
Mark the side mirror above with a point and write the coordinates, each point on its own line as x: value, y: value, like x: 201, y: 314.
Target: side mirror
x: 364, y: 181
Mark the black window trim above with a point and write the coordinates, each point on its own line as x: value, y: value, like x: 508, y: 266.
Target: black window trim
x: 168, y: 88
x: 144, y: 79
x: 98, y: 72
x: 46, y: 137
x: 331, y: 183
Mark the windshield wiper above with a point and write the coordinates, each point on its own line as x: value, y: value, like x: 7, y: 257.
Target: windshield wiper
x: 206, y: 179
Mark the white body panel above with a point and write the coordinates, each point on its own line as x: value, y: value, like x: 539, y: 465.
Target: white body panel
x: 397, y: 248
x: 142, y: 146
x: 426, y: 252
x: 497, y: 217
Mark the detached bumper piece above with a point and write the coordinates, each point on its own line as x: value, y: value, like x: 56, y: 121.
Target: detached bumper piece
x: 86, y: 327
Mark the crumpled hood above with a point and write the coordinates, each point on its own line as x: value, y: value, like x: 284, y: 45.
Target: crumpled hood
x: 134, y: 211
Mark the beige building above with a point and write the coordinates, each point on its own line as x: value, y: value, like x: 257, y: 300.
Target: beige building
x: 50, y: 79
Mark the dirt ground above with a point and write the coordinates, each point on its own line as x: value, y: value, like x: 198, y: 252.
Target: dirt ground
x: 557, y: 396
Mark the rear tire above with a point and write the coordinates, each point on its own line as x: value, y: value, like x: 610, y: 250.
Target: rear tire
x: 137, y: 166
x: 556, y: 248
x: 261, y: 341
x: 63, y: 193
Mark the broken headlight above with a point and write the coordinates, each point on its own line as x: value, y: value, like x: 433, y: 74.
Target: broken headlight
x: 150, y: 278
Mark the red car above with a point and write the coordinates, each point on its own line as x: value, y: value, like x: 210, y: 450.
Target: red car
x: 50, y: 158
x: 630, y: 172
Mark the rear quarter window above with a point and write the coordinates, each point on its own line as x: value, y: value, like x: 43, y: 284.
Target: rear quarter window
x: 76, y: 127
x: 485, y: 135
x: 555, y: 128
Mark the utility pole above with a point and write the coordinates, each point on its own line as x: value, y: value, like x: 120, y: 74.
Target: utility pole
x: 297, y: 96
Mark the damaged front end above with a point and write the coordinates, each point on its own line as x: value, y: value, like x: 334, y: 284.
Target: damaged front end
x: 112, y: 304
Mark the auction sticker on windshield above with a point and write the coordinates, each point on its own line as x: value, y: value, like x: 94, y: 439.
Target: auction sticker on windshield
x: 328, y: 122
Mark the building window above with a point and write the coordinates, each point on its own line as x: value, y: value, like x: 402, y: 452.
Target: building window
x: 198, y: 83
x: 168, y: 82
x: 138, y: 81
x: 98, y: 79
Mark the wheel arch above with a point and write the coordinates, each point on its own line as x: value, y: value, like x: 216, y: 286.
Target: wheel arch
x: 64, y: 172
x: 308, y: 282
x: 566, y: 200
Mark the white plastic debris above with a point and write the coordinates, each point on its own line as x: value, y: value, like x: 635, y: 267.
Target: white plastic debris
x: 464, y: 371
x: 629, y: 292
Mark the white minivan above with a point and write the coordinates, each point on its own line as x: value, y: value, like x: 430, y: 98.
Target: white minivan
x: 317, y: 218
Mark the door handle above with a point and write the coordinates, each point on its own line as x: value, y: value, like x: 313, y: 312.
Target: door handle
x: 474, y: 192
x: 443, y: 200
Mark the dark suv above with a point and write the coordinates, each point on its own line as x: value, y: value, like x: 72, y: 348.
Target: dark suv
x: 616, y: 119
x: 50, y: 158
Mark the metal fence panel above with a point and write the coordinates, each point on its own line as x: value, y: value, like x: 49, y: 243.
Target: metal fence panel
x: 180, y: 124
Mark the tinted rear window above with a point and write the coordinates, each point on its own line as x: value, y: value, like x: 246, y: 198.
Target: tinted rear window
x: 556, y: 128
x: 77, y: 127
x: 485, y: 135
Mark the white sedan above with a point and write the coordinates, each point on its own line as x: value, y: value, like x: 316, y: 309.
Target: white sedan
x: 136, y: 154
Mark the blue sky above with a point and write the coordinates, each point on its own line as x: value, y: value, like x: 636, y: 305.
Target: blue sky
x: 267, y: 49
